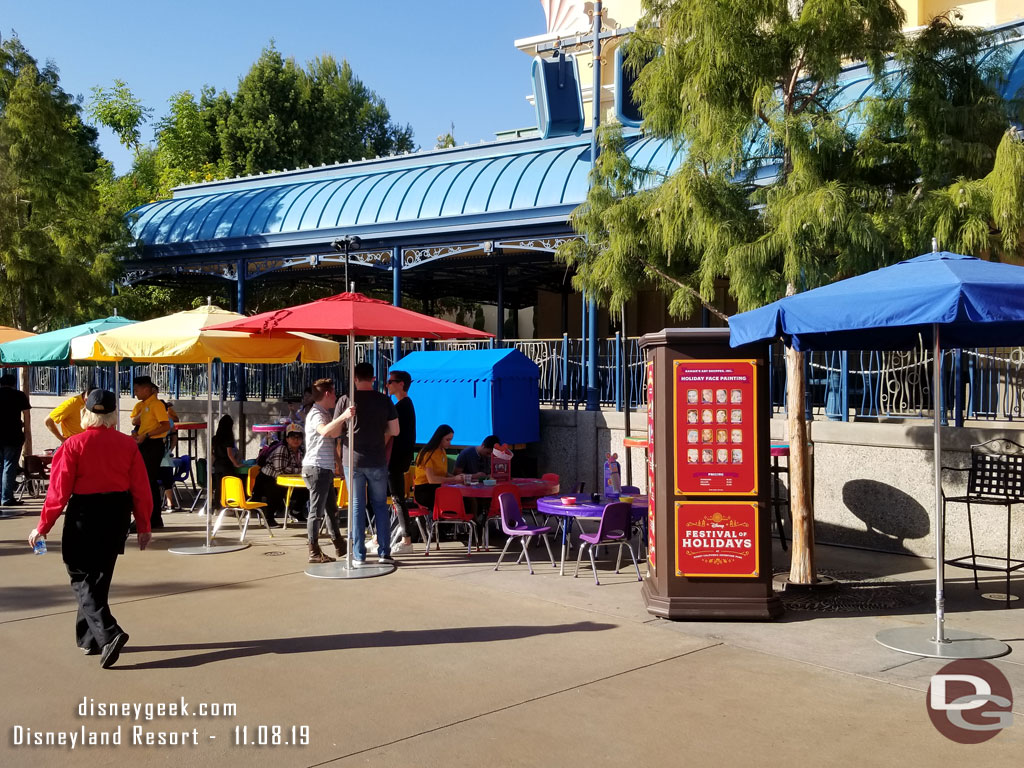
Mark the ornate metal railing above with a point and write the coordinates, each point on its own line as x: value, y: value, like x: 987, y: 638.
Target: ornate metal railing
x: 979, y: 384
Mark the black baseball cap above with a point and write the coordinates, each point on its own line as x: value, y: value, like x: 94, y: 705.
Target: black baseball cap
x: 101, y: 401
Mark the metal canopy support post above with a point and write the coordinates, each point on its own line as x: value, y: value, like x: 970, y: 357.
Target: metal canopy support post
x: 396, y: 295
x: 500, y: 335
x: 626, y: 380
x: 920, y: 641
x: 240, y: 309
x: 593, y: 400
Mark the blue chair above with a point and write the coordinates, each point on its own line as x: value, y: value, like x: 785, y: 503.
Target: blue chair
x: 181, y: 468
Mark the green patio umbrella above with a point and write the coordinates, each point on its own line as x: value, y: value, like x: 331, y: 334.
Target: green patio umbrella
x: 54, y: 348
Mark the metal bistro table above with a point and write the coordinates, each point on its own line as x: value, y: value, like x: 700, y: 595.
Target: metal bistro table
x: 585, y: 508
x: 188, y: 433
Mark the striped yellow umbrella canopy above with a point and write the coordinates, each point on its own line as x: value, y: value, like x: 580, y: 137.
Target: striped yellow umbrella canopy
x: 183, y: 338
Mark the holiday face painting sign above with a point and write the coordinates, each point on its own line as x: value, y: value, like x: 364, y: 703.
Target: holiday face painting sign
x: 715, y: 427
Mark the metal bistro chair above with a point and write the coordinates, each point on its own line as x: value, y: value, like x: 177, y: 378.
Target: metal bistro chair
x: 200, y: 478
x: 515, y: 527
x: 995, y: 478
x: 36, y: 475
x: 232, y: 495
x: 613, y: 529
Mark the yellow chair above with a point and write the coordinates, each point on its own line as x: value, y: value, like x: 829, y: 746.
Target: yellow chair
x: 250, y: 479
x: 232, y: 496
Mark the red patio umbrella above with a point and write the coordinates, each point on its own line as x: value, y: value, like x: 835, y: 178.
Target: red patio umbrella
x: 352, y: 314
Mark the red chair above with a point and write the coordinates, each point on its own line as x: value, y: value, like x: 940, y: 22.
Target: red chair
x: 530, y: 505
x: 422, y: 517
x: 494, y: 513
x: 450, y: 509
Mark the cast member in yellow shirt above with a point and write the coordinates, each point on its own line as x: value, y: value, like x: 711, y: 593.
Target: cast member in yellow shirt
x: 149, y: 416
x: 66, y: 419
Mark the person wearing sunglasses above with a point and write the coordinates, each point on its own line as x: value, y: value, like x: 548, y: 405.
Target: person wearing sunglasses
x: 402, y: 451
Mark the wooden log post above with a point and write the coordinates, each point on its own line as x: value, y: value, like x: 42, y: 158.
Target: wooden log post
x: 801, y: 570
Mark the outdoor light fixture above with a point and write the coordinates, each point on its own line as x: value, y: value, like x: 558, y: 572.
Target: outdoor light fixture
x: 344, y: 244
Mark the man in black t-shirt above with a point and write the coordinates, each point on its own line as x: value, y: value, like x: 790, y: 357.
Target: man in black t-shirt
x: 374, y: 422
x: 402, y: 449
x: 13, y: 404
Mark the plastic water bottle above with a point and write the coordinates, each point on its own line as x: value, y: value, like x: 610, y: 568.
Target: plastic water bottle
x: 40, y: 547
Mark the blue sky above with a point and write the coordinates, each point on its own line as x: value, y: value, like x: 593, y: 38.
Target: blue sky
x: 434, y: 63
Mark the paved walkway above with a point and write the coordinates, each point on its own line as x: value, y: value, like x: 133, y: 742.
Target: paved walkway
x: 447, y: 663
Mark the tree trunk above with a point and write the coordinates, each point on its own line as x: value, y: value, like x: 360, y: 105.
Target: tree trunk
x: 801, y: 570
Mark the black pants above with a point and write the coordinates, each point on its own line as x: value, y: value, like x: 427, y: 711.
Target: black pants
x: 152, y: 450
x: 266, y: 489
x: 396, y: 485
x: 424, y: 495
x: 95, y: 528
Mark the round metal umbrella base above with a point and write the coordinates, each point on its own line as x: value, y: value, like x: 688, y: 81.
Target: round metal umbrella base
x: 920, y: 641
x: 212, y: 549
x: 340, y: 570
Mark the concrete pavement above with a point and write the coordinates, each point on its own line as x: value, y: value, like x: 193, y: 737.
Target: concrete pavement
x: 447, y: 663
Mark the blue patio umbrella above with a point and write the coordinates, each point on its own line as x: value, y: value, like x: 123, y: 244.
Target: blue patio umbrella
x: 949, y: 300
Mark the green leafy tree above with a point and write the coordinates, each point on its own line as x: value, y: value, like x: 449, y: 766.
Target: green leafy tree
x: 785, y: 187
x: 281, y: 116
x: 57, y: 248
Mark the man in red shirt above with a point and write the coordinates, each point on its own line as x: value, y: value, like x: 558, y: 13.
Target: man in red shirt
x: 100, y: 476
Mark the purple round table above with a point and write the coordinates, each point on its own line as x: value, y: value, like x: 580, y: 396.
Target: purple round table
x: 584, y: 507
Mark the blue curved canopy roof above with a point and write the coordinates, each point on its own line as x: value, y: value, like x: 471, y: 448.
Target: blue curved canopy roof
x: 521, y: 180
x: 507, y: 186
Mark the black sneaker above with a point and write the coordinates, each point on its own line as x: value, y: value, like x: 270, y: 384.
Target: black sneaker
x: 13, y: 503
x: 112, y: 650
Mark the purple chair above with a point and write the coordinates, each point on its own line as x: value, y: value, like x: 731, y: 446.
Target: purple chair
x: 613, y: 529
x: 514, y: 526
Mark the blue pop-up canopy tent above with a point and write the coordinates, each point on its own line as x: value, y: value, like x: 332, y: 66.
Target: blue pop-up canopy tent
x: 951, y: 301
x: 478, y: 392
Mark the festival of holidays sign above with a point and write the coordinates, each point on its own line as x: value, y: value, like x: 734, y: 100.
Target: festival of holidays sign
x: 716, y: 538
x: 715, y: 427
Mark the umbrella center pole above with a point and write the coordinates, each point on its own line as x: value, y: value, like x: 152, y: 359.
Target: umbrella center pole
x: 940, y: 526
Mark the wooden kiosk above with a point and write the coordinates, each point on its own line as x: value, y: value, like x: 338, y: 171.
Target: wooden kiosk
x: 709, y: 530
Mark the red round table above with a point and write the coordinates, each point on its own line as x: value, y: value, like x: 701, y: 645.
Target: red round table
x: 190, y: 436
x: 529, y: 487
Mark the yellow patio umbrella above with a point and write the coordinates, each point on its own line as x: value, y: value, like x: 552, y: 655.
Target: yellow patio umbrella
x: 183, y: 338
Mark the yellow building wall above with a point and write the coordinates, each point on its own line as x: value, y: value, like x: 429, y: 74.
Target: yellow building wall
x: 978, y: 13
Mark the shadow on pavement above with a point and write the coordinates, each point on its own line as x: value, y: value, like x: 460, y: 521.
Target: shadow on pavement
x: 214, y: 652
